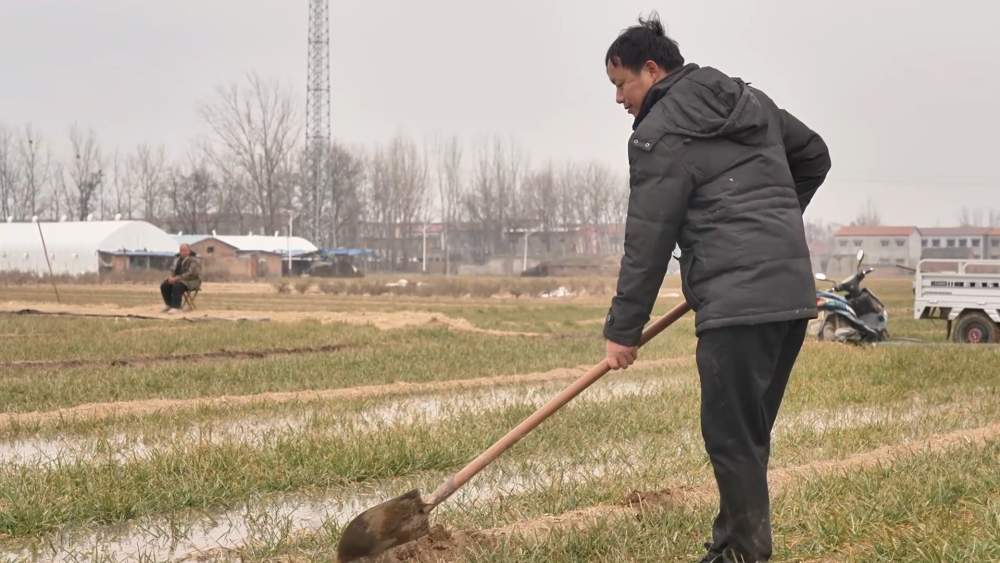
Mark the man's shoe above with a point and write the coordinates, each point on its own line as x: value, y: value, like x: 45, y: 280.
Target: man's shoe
x: 166, y: 309
x: 171, y: 311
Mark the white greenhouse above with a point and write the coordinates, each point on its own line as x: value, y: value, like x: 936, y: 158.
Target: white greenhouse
x: 84, y: 247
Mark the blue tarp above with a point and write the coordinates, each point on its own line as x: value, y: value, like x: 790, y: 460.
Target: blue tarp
x: 345, y: 252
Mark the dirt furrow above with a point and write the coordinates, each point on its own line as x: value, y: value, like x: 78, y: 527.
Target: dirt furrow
x: 442, y: 545
x: 175, y: 358
x: 384, y: 320
x: 94, y: 411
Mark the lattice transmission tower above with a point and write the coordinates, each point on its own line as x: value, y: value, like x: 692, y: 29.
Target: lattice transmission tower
x: 318, y: 123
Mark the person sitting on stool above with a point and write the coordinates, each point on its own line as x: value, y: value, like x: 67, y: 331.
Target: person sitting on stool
x: 186, y: 277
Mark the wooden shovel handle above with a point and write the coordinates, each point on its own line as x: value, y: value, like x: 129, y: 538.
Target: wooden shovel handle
x: 451, y: 485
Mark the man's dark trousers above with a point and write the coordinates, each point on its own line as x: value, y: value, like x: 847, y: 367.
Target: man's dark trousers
x: 173, y: 293
x: 744, y: 371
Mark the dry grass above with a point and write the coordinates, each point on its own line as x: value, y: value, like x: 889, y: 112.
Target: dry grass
x: 274, y: 480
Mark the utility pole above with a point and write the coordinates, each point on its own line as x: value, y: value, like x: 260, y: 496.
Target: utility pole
x: 424, y: 260
x: 288, y: 242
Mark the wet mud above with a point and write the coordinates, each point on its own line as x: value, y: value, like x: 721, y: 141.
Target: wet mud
x: 94, y: 411
x: 123, y: 447
x: 228, y: 533
x: 438, y: 546
x: 636, y: 501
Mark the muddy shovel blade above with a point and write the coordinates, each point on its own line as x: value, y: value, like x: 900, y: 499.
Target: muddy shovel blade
x: 383, y: 527
x: 404, y: 519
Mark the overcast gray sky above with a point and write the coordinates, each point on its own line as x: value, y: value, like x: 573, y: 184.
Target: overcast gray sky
x: 904, y: 92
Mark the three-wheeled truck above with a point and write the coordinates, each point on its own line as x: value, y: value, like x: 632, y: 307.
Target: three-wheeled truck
x: 966, y: 293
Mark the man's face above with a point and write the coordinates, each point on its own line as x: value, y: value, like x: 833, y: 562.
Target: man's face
x: 185, y: 251
x: 631, y: 87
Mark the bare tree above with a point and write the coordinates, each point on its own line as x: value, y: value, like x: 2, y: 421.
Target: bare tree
x: 817, y: 231
x: 449, y: 175
x: 64, y: 202
x: 37, y: 170
x: 596, y: 191
x: 568, y: 210
x: 235, y: 189
x: 970, y: 218
x: 481, y: 203
x: 255, y: 128
x: 87, y: 171
x: 10, y: 173
x: 147, y: 167
x: 508, y: 173
x: 122, y: 200
x: 541, y: 198
x: 398, y: 193
x: 618, y: 202
x: 494, y: 200
x: 868, y: 214
x: 192, y: 192
x: 346, y: 198
x: 448, y: 171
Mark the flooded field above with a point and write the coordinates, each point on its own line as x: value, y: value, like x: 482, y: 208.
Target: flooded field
x: 127, y: 438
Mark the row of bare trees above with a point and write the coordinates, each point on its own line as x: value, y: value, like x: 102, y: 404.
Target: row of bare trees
x: 246, y: 173
x: 88, y: 182
x: 869, y: 214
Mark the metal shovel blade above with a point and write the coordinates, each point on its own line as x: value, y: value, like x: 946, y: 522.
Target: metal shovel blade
x: 384, y: 526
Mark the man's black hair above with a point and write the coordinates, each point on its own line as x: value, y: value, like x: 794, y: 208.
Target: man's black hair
x: 643, y: 42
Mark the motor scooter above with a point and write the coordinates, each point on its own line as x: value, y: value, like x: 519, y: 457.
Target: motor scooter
x: 858, y: 317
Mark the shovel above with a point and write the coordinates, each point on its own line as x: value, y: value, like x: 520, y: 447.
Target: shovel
x: 405, y: 518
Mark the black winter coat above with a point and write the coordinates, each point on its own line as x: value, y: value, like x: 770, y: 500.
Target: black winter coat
x: 718, y: 169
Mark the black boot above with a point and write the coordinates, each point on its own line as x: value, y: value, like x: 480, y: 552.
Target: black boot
x: 728, y: 555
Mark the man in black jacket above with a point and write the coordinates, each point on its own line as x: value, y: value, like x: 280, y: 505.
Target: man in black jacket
x: 717, y: 168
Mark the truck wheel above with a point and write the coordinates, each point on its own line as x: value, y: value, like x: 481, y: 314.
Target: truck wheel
x: 975, y: 328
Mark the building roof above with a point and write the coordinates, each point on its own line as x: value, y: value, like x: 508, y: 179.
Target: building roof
x: 253, y: 243
x: 73, y: 246
x: 995, y: 232
x: 189, y: 239
x: 955, y: 231
x: 875, y: 231
x: 105, y: 236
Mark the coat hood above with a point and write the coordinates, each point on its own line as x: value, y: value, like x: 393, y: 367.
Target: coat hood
x: 704, y: 102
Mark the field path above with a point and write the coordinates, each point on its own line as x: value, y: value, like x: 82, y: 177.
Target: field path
x: 385, y: 320
x: 94, y: 411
